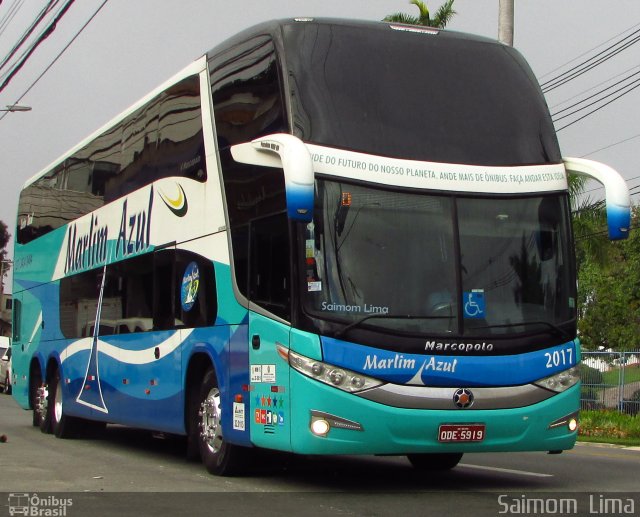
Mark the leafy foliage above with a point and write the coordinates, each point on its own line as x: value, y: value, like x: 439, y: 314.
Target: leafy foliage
x: 604, y: 425
x: 442, y: 16
x: 608, y: 287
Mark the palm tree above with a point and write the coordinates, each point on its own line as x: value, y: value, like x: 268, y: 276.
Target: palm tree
x: 588, y: 217
x: 444, y: 13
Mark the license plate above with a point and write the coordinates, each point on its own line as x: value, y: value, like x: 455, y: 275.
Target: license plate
x: 461, y: 433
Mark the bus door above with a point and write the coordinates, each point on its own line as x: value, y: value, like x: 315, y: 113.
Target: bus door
x: 269, y: 292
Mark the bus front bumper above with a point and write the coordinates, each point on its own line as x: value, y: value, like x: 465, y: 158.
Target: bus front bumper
x: 329, y: 421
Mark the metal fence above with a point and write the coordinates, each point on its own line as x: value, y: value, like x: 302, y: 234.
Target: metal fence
x: 611, y: 380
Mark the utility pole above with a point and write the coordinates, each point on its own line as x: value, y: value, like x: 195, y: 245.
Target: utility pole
x: 505, y: 22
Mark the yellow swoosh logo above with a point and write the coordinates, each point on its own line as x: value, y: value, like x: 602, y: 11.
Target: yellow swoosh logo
x: 178, y: 206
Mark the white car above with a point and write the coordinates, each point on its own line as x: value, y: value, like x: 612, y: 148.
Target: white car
x: 5, y: 364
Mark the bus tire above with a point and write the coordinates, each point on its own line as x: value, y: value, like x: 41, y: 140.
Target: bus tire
x: 62, y: 426
x: 218, y: 456
x: 435, y: 461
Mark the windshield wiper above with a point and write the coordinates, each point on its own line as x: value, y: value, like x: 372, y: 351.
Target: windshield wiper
x: 356, y: 323
x: 558, y: 330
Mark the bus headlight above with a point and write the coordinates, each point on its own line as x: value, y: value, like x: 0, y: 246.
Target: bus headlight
x: 341, y: 378
x: 560, y: 382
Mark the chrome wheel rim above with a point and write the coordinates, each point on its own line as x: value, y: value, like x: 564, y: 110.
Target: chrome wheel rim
x: 210, y: 428
x: 57, y: 405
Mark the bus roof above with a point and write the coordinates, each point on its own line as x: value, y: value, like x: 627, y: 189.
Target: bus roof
x: 274, y: 28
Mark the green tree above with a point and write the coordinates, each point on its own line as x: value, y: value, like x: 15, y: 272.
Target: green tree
x: 442, y: 16
x: 609, y: 294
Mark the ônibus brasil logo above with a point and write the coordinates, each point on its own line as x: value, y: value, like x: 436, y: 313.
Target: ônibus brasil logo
x: 38, y: 506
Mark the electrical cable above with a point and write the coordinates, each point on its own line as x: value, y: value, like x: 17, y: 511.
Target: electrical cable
x: 611, y: 145
x: 25, y: 35
x: 595, y: 95
x: 37, y: 79
x: 610, y: 79
x: 48, y: 31
x: 13, y: 10
x: 596, y: 109
x: 589, y: 64
x: 587, y: 52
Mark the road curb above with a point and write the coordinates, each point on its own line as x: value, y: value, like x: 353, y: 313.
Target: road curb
x: 607, y: 445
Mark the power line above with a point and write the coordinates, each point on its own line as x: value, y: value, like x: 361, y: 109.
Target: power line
x: 596, y: 95
x: 25, y: 35
x: 590, y: 63
x: 598, y: 108
x: 13, y: 10
x: 611, y: 145
x: 47, y: 32
x: 600, y: 187
x: 608, y: 80
x: 4, y: 114
x: 587, y: 52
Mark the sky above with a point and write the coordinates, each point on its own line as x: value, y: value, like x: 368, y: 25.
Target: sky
x: 131, y: 46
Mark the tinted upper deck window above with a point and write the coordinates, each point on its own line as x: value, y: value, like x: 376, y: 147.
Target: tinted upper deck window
x: 433, y: 97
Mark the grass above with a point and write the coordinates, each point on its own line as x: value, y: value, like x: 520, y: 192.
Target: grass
x: 609, y: 427
x: 612, y: 377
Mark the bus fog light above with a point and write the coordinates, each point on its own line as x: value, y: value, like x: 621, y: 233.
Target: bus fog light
x: 569, y: 421
x: 320, y: 427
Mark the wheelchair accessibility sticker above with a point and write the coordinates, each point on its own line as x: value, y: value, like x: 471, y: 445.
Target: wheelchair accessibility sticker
x: 473, y: 303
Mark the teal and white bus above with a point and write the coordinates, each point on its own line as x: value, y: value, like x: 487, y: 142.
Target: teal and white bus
x: 322, y: 237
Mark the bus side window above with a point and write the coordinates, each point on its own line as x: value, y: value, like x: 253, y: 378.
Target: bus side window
x: 163, y: 289
x: 247, y: 98
x: 269, y: 276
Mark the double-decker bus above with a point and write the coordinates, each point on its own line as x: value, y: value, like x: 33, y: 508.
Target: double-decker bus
x: 323, y: 237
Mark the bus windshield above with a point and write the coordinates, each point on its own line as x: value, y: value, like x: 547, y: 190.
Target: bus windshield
x: 425, y: 264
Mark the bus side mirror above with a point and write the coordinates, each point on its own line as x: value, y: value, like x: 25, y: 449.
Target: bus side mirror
x: 289, y: 153
x: 617, y: 193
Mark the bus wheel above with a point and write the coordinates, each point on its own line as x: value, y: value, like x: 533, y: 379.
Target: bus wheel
x: 435, y: 461
x: 63, y: 426
x: 219, y: 457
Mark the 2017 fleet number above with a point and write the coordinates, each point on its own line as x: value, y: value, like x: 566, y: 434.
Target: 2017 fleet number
x: 559, y: 358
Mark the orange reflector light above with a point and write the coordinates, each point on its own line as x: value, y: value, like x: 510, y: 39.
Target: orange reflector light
x: 238, y: 398
x: 346, y: 199
x: 283, y: 352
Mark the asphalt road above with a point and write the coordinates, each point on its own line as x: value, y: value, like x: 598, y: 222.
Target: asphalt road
x: 130, y: 472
